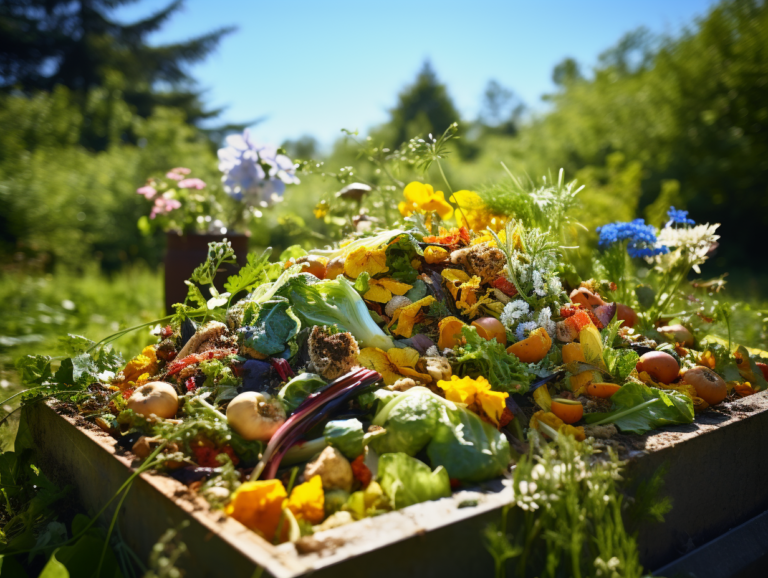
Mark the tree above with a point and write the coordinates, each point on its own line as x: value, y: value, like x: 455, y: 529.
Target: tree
x: 423, y: 108
x: 49, y: 43
x: 501, y: 110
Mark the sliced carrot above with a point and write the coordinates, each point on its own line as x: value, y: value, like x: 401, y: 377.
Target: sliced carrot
x: 568, y: 410
x: 604, y: 390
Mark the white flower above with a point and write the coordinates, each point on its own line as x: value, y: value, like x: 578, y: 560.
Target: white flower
x: 513, y: 312
x: 690, y: 243
x: 523, y: 329
x: 555, y: 286
x: 545, y: 321
x: 538, y: 285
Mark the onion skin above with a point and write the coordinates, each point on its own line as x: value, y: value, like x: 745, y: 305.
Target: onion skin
x: 255, y: 415
x: 490, y: 328
x: 626, y: 314
x: 659, y: 365
x: 709, y: 385
x: 334, y: 268
x: 156, y: 397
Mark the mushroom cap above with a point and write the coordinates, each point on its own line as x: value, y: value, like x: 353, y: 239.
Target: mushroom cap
x: 156, y: 397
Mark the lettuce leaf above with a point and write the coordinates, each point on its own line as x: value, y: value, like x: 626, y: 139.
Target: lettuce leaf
x: 400, y: 252
x: 298, y: 389
x: 407, y: 481
x: 346, y: 435
x: 672, y: 409
x: 480, y: 357
x: 410, y: 420
x: 620, y: 362
x: 269, y: 332
x: 470, y: 449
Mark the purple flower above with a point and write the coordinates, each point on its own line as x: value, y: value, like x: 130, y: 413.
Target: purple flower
x: 192, y: 184
x: 147, y: 191
x: 253, y: 173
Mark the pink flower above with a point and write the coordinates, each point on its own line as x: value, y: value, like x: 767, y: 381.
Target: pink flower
x: 192, y: 184
x: 147, y: 191
x: 174, y: 176
x: 181, y: 171
x: 163, y: 206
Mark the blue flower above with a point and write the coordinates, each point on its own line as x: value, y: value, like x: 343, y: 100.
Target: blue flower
x: 641, y: 238
x: 678, y: 217
x: 253, y: 173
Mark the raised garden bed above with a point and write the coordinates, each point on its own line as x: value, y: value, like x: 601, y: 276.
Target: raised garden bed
x: 715, y: 479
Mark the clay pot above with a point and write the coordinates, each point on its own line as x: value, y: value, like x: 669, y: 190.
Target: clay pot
x: 185, y: 252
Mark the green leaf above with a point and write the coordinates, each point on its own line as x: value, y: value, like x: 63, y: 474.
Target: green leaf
x: 620, y: 362
x: 293, y: 252
x: 54, y: 569
x: 400, y: 252
x: 410, y: 420
x: 11, y: 568
x: 470, y: 449
x: 489, y: 359
x: 195, y: 295
x: 270, y: 331
x: 34, y: 369
x: 418, y: 291
x: 361, y: 283
x: 407, y: 481
x: 646, y: 295
x: 672, y: 409
x: 298, y: 389
x: 254, y: 273
x: 346, y: 435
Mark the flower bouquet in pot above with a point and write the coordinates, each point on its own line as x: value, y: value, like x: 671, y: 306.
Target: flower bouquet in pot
x: 194, y: 213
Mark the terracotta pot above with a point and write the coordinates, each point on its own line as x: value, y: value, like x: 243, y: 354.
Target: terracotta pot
x: 185, y: 252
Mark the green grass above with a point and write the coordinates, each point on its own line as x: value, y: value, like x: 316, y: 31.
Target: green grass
x: 38, y: 309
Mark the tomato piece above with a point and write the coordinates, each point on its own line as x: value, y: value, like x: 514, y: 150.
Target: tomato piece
x: 490, y: 328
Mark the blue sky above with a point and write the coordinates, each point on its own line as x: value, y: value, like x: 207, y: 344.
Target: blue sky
x: 315, y: 67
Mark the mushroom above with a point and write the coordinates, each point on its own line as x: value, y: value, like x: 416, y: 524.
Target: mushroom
x: 255, y: 415
x: 333, y: 468
x: 396, y: 303
x: 155, y: 398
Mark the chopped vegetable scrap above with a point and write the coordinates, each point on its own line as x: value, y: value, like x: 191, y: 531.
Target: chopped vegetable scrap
x: 398, y: 366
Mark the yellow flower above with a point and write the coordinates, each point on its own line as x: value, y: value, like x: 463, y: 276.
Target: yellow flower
x: 393, y: 364
x: 258, y: 505
x: 382, y: 290
x: 470, y: 306
x: 406, y: 317
x: 476, y: 394
x: 423, y: 198
x: 434, y: 254
x: 550, y: 419
x: 474, y: 214
x: 321, y: 209
x: 307, y: 501
x: 144, y: 363
x: 455, y: 278
x: 363, y: 259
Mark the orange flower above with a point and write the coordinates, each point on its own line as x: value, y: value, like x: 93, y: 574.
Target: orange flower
x: 307, y: 501
x: 393, y: 364
x: 143, y: 365
x: 449, y: 330
x: 258, y: 505
x: 423, y: 198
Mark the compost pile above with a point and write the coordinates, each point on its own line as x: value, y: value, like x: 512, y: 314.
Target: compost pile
x: 393, y: 369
